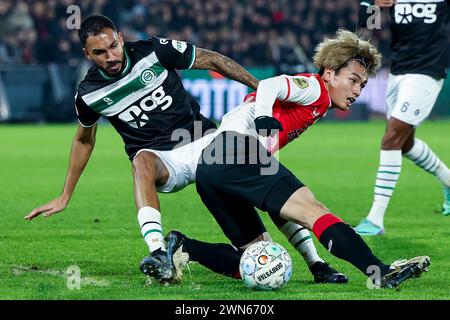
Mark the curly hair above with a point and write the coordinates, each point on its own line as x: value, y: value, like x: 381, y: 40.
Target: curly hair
x: 336, y: 53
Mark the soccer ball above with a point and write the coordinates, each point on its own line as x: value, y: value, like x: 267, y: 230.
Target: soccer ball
x: 265, y: 265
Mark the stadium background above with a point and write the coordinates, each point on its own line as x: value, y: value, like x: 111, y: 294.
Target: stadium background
x: 40, y: 56
x: 40, y: 65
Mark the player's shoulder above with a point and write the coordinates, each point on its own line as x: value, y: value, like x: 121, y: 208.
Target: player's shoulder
x: 165, y: 49
x: 91, y: 81
x: 306, y: 80
x: 145, y: 47
x: 151, y: 43
x: 312, y: 86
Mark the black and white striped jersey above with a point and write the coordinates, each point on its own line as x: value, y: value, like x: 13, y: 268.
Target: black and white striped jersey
x: 147, y: 102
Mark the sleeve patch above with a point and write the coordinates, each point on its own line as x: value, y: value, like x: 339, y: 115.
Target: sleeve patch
x: 179, y: 45
x: 301, y: 83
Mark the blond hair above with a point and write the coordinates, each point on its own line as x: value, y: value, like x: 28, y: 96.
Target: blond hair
x: 336, y: 53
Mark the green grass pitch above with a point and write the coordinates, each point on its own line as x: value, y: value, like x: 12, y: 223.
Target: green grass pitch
x: 98, y: 232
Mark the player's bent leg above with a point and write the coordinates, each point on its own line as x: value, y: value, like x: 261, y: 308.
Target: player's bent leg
x: 336, y: 236
x: 300, y: 238
x: 422, y: 156
x: 148, y: 171
x: 398, y: 136
x: 282, y: 194
x: 409, y: 142
x: 236, y: 217
x: 238, y: 220
x: 220, y: 258
x: 343, y: 242
x: 254, y: 188
x: 302, y: 208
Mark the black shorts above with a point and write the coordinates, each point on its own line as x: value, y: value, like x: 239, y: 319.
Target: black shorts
x: 236, y: 174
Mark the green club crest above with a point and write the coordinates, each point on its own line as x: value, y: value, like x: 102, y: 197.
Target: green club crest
x: 147, y: 76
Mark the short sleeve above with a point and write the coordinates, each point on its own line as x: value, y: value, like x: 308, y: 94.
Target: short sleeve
x: 174, y: 54
x: 86, y: 116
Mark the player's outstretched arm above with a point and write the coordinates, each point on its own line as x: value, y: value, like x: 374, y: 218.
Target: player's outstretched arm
x: 82, y: 147
x: 211, y: 60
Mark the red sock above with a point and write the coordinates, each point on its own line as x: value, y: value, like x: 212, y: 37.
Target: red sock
x: 343, y: 242
x: 323, y: 223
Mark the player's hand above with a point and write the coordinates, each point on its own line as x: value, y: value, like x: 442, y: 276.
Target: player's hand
x: 266, y: 125
x: 54, y: 206
x: 385, y: 3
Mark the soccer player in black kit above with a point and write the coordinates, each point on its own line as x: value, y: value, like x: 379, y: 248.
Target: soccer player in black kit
x: 419, y: 58
x: 135, y: 86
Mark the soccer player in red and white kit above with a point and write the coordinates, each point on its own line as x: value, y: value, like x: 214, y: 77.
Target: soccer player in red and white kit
x: 282, y: 108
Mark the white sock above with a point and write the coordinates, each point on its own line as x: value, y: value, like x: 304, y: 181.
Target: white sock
x: 422, y: 155
x: 150, y: 222
x: 387, y: 176
x: 300, y: 238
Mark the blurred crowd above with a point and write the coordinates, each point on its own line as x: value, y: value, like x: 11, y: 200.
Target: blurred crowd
x: 254, y: 33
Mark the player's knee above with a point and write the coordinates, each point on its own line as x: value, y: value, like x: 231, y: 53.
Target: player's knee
x: 145, y: 165
x: 303, y: 208
x: 310, y: 213
x: 396, y: 135
x: 409, y: 143
x: 392, y: 140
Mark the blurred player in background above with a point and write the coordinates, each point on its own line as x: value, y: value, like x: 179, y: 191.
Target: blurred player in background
x: 419, y: 53
x: 282, y: 108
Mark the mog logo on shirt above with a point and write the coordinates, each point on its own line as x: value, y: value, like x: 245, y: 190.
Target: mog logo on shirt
x: 136, y: 115
x: 404, y: 12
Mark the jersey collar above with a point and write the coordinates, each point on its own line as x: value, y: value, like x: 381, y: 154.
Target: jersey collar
x: 124, y: 72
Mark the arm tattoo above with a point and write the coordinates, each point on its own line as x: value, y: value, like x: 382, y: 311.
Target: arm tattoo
x: 227, y: 67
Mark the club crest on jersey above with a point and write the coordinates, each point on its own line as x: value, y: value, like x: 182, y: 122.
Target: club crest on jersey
x: 302, y: 83
x: 147, y: 76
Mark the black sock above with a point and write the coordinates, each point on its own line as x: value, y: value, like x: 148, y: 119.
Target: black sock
x: 219, y: 257
x: 343, y: 242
